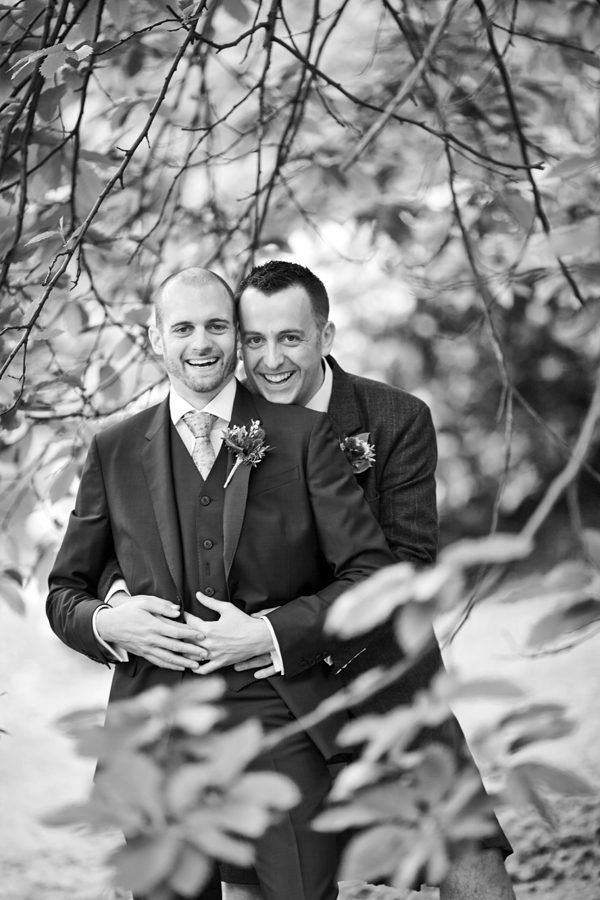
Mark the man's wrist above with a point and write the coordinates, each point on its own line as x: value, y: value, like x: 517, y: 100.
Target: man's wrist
x: 102, y: 621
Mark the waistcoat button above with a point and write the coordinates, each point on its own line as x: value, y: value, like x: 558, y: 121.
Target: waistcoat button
x: 205, y: 500
x: 210, y: 592
x: 207, y: 544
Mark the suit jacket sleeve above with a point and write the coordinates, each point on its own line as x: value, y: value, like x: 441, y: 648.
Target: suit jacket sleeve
x: 408, y: 517
x: 350, y: 539
x: 406, y: 487
x: 86, y: 547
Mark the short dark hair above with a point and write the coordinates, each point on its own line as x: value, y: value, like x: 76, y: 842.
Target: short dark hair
x: 193, y: 275
x: 278, y: 275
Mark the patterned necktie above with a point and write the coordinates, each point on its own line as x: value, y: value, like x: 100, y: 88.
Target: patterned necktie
x: 203, y: 454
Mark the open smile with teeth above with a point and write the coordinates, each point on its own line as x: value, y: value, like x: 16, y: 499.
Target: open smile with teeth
x: 281, y: 378
x: 202, y: 363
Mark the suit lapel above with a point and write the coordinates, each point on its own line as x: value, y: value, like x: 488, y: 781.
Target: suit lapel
x: 156, y: 463
x: 344, y: 410
x: 236, y: 492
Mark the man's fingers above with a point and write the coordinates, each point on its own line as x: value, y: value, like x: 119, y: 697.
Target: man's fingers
x: 266, y: 673
x: 212, y: 602
x: 159, y: 607
x: 255, y: 662
x: 209, y: 667
x: 167, y: 660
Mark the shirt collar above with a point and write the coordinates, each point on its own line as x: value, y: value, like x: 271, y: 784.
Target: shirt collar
x: 320, y: 401
x: 220, y: 406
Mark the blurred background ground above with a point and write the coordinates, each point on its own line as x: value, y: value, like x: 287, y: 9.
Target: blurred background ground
x: 38, y: 769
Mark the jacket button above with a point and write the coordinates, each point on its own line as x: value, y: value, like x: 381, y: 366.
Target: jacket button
x: 205, y: 500
x: 207, y: 544
x: 303, y: 664
x: 210, y: 592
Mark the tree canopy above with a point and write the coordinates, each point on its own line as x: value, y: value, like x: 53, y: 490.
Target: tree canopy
x: 435, y: 162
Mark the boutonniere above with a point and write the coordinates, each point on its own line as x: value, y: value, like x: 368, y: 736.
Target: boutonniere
x: 359, y: 453
x: 247, y: 443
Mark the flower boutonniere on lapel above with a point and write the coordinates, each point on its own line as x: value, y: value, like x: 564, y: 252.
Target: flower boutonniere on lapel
x: 247, y: 444
x: 359, y: 453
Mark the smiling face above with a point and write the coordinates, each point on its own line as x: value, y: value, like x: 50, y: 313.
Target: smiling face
x: 196, y: 338
x: 283, y: 345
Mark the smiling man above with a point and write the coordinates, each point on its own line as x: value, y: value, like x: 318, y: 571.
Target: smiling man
x: 215, y: 547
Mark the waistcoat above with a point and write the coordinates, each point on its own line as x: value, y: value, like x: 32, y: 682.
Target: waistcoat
x: 199, y: 505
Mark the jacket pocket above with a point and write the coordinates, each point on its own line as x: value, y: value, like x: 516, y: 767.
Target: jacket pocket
x: 278, y: 479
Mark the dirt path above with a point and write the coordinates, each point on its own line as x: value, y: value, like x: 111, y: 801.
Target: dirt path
x: 38, y: 770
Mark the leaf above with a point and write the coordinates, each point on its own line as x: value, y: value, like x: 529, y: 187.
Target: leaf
x: 413, y: 628
x: 564, y: 621
x: 371, y: 602
x: 49, y: 101
x: 119, y: 13
x: 555, y: 779
x: 498, y: 548
x: 486, y: 689
x: 373, y: 854
x: 584, y: 56
x: 14, y: 574
x: 271, y: 789
x: 191, y: 873
x: 521, y: 209
x: 11, y: 593
x: 89, y: 186
x: 237, y: 10
x: 574, y: 165
x: 144, y: 863
x: 571, y: 575
x: 63, y: 481
x: 435, y: 773
x: 521, y: 792
x: 580, y: 239
x: 46, y: 334
x: 55, y: 61
x: 42, y: 237
x: 84, y: 51
x: 591, y: 541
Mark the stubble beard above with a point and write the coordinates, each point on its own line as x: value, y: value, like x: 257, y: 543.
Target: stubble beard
x: 178, y: 371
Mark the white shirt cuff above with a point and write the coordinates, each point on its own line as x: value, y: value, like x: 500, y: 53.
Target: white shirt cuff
x: 276, y: 657
x: 119, y: 584
x: 117, y: 653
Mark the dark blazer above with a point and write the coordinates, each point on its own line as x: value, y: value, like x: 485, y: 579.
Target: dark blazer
x: 400, y: 490
x: 296, y: 528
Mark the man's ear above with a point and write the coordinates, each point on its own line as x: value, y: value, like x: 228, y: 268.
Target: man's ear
x: 327, y: 337
x: 156, y: 340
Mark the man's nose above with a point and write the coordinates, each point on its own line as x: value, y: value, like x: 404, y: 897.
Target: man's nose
x: 273, y: 357
x: 201, y: 340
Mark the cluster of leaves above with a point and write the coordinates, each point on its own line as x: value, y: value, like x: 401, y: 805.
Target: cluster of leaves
x: 176, y: 787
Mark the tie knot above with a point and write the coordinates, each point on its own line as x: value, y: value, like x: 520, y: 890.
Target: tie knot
x: 199, y: 423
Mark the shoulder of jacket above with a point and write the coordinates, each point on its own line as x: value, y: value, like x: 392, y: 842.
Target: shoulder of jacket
x: 388, y: 395
x: 126, y: 426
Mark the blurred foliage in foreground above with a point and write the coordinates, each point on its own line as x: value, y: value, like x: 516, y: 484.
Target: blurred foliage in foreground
x: 177, y: 787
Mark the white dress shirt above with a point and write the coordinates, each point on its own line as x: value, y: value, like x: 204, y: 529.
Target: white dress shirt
x: 220, y: 406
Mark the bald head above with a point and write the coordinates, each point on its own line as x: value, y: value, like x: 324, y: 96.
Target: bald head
x: 195, y: 277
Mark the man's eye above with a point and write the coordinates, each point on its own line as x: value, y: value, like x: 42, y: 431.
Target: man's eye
x: 291, y: 338
x: 218, y: 329
x: 253, y: 341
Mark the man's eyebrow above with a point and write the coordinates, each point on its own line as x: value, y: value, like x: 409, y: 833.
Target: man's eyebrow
x: 249, y: 331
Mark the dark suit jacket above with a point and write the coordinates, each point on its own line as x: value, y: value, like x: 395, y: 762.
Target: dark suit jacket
x: 296, y: 528
x: 400, y: 489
